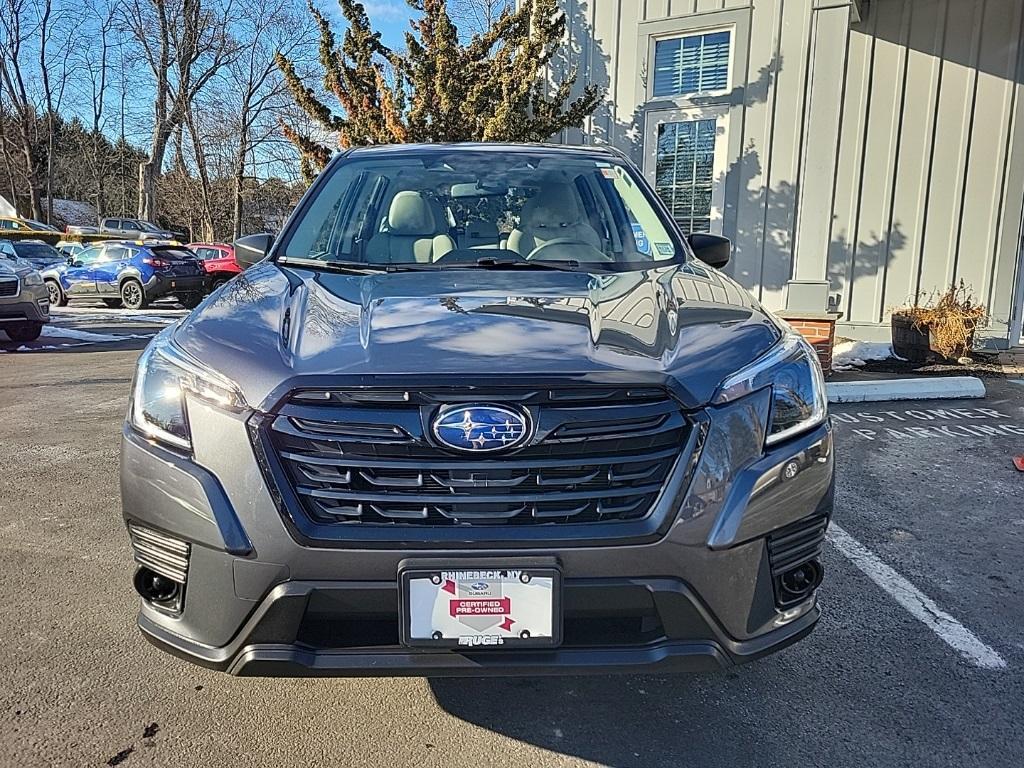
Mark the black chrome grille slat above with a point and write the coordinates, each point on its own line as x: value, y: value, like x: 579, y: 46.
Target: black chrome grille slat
x: 512, y: 462
x: 573, y: 479
x: 475, y: 498
x: 796, y: 544
x: 386, y: 481
x: 364, y: 456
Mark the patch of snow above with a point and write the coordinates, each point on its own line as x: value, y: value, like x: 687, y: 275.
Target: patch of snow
x: 848, y: 355
x: 97, y: 338
x: 73, y: 212
x: 161, y: 316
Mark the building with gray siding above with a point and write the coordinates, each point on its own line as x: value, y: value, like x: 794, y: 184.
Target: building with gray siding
x: 876, y: 147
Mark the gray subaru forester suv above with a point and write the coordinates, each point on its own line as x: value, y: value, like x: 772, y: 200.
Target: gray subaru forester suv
x: 478, y: 409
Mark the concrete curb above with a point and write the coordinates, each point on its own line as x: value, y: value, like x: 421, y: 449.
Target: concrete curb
x: 923, y: 388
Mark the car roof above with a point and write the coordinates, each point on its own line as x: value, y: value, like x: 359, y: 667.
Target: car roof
x: 596, y: 151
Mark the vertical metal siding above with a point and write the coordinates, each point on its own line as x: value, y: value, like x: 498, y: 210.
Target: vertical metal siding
x: 927, y: 152
x: 886, y: 156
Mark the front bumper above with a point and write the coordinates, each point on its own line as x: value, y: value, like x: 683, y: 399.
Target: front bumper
x: 32, y: 305
x: 285, y: 635
x: 259, y: 602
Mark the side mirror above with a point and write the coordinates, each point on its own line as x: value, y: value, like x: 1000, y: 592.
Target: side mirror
x: 71, y: 261
x: 713, y: 250
x: 252, y: 249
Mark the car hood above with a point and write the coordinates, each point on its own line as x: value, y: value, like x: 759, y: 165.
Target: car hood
x: 19, y: 268
x: 276, y: 327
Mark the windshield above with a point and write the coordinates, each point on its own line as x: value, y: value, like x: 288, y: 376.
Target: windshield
x: 39, y: 225
x: 464, y: 208
x: 37, y: 252
x: 145, y: 226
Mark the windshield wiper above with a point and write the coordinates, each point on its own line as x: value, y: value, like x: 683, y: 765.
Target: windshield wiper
x: 491, y: 262
x: 353, y: 266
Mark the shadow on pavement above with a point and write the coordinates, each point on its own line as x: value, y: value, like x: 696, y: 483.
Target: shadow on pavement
x: 617, y: 721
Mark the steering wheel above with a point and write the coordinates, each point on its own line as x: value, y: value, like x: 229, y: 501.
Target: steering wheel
x: 571, y: 242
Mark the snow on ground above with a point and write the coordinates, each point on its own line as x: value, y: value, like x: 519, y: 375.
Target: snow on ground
x: 848, y: 355
x: 156, y: 316
x: 76, y: 212
x: 97, y: 338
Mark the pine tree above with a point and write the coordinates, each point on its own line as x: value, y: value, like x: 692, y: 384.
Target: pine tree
x: 493, y: 87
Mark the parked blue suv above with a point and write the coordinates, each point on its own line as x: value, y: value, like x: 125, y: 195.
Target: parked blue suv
x: 132, y: 274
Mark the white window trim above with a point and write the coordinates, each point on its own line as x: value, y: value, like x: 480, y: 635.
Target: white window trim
x: 696, y: 32
x: 717, y: 112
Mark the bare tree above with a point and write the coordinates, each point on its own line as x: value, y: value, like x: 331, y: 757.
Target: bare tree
x: 96, y: 61
x: 255, y: 85
x: 477, y: 16
x: 17, y: 26
x: 184, y: 45
x: 205, y: 188
x: 5, y: 148
x: 55, y: 36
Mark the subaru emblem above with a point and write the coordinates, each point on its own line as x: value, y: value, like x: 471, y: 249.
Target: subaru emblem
x: 480, y: 428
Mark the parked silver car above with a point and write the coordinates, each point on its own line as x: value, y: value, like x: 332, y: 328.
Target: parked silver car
x: 24, y: 300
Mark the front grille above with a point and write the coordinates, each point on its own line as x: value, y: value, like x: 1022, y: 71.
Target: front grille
x: 365, y: 456
x: 159, y: 552
x: 9, y: 287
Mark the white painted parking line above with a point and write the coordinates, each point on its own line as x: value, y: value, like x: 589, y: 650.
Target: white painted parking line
x: 918, y: 604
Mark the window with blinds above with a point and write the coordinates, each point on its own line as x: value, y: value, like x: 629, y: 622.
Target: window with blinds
x: 685, y: 171
x: 692, y: 64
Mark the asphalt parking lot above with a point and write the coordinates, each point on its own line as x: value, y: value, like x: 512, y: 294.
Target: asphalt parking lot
x: 919, y: 658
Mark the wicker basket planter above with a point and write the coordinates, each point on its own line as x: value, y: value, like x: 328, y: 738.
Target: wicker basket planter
x: 908, y: 341
x: 918, y: 344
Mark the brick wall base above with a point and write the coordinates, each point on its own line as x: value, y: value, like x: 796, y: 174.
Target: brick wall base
x: 820, y: 332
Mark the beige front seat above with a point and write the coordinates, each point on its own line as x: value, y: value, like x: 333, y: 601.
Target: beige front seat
x: 551, y: 214
x: 411, y: 233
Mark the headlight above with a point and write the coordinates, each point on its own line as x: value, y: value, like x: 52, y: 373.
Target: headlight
x: 163, y: 376
x: 792, y: 370
x: 33, y: 278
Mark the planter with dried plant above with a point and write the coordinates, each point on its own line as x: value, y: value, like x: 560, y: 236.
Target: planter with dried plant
x: 943, y: 324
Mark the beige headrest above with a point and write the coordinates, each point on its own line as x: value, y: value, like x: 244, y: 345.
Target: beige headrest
x: 410, y: 215
x: 552, y: 207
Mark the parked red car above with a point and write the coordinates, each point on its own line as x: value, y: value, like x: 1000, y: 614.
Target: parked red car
x: 218, y: 260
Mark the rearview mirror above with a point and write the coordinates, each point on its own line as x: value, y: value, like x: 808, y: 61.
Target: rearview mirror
x: 713, y: 250
x: 252, y: 249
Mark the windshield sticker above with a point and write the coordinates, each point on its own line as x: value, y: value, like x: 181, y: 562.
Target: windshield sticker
x: 608, y: 173
x: 665, y: 249
x: 643, y: 245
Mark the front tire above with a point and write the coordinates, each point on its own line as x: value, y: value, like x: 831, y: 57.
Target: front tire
x: 57, y: 297
x: 24, y: 331
x: 133, y: 296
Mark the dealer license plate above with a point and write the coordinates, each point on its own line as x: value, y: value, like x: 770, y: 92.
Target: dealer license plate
x: 481, y: 608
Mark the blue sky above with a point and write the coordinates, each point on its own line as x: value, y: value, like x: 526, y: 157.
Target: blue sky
x: 389, y: 17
